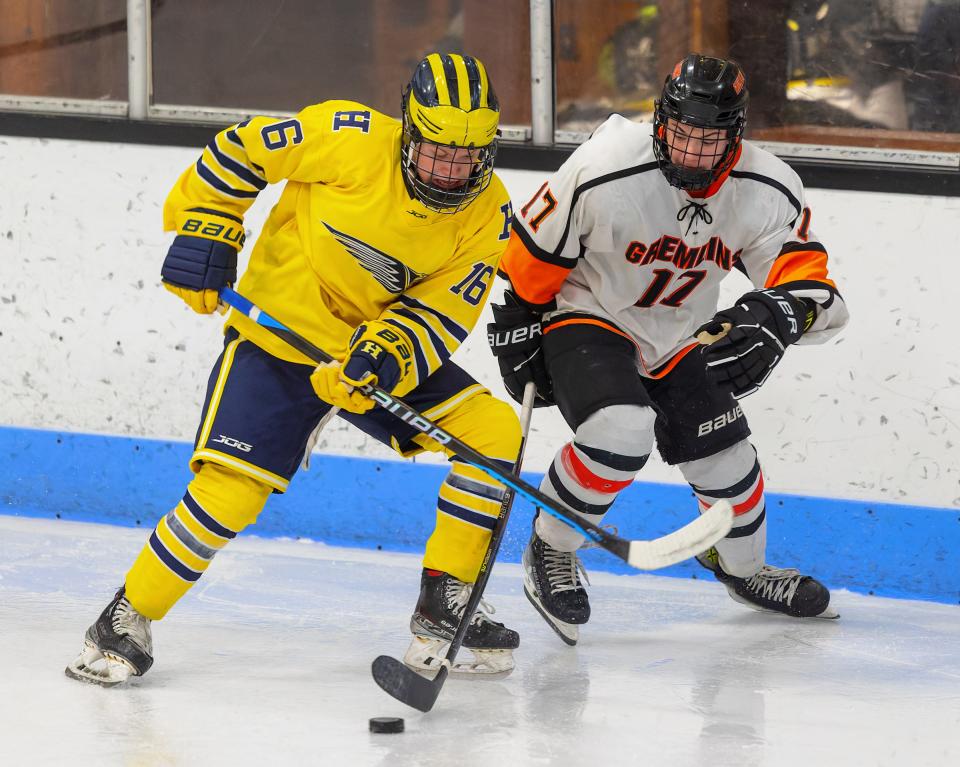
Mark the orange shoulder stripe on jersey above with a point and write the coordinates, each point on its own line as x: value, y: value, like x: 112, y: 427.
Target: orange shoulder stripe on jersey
x: 799, y: 265
x: 535, y: 281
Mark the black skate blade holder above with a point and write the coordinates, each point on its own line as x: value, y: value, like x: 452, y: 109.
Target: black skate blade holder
x: 402, y: 682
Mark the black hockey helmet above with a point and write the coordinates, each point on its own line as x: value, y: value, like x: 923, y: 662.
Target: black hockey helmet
x: 702, y: 92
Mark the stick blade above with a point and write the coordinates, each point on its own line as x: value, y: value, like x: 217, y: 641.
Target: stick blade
x: 407, y: 685
x: 688, y: 541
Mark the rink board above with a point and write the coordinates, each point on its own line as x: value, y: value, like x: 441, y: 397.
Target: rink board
x: 872, y: 548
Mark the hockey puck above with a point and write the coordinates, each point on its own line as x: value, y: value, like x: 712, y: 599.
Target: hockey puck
x: 386, y: 724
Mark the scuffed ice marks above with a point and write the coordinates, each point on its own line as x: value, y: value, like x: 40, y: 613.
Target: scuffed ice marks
x: 297, y: 624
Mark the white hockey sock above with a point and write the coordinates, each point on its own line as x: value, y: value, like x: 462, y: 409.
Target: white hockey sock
x: 734, y: 475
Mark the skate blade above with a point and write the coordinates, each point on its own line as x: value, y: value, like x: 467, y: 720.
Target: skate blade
x: 93, y: 667
x: 828, y: 614
x: 469, y: 671
x: 568, y: 632
x: 426, y: 655
x: 487, y: 665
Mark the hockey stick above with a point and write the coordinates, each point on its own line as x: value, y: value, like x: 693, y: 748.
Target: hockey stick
x: 691, y: 539
x: 402, y: 682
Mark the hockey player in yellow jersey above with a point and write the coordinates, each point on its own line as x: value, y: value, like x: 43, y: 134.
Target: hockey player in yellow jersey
x: 381, y: 251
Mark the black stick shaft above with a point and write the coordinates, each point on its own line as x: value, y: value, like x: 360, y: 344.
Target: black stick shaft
x: 496, y: 536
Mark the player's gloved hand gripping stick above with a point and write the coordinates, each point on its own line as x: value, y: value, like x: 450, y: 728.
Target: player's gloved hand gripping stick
x: 694, y: 538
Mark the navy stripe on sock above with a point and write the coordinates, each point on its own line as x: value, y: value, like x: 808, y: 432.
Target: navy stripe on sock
x: 743, y: 532
x: 613, y: 460
x: 171, y: 561
x: 738, y: 489
x: 473, y: 517
x: 205, y: 519
x: 569, y: 499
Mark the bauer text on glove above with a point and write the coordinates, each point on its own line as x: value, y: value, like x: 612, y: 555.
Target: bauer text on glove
x: 202, y: 258
x: 381, y: 355
x: 514, y: 337
x: 762, y: 324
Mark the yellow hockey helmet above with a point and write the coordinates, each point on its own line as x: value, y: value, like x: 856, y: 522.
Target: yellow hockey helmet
x: 449, y: 104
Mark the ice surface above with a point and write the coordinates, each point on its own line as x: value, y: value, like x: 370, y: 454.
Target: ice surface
x: 267, y: 661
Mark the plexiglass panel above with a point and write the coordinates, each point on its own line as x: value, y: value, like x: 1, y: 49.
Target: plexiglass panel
x: 874, y: 73
x: 861, y: 72
x: 277, y: 56
x: 73, y: 49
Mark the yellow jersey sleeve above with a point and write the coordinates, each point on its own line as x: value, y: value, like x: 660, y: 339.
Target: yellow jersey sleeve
x: 241, y: 160
x: 438, y: 313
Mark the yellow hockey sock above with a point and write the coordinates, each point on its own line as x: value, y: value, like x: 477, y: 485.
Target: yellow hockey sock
x: 218, y: 504
x: 469, y: 500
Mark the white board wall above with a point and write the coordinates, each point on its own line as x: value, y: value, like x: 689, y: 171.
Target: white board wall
x: 91, y: 342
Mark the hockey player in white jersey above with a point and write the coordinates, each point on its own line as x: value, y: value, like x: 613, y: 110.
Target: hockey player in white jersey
x: 614, y: 268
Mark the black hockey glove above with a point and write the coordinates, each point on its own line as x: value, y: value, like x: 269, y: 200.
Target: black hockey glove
x: 763, y: 324
x: 514, y: 337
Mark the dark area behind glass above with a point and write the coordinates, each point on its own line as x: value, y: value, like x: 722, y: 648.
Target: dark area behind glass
x: 64, y: 48
x: 859, y: 72
x: 282, y: 56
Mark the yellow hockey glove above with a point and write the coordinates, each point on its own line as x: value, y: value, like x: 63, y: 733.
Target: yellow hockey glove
x: 201, y: 301
x: 203, y: 257
x: 331, y: 388
x: 380, y: 354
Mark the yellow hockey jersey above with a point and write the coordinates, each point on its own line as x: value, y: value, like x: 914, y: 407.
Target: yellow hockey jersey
x: 345, y: 243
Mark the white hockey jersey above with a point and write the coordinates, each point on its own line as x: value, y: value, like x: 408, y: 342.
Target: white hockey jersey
x: 607, y: 240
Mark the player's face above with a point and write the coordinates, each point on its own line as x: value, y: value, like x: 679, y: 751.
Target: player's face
x: 445, y: 167
x: 693, y: 147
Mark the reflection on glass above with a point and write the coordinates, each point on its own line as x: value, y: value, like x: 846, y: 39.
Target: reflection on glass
x: 63, y: 48
x: 282, y: 56
x: 606, y: 55
x: 934, y: 87
x: 848, y: 61
x: 862, y: 72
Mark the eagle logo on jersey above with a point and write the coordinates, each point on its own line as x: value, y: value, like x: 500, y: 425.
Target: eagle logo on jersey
x: 395, y: 276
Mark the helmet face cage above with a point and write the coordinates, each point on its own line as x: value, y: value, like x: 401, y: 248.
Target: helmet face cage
x: 456, y: 187
x: 449, y: 141
x: 699, y: 121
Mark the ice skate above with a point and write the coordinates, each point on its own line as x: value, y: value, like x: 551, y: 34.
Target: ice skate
x: 774, y: 589
x: 551, y: 581
x: 442, y: 601
x: 119, y: 645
